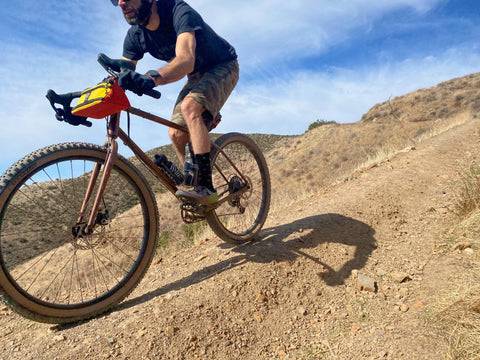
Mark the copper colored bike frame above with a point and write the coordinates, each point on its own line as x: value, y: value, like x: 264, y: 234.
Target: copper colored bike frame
x: 113, y: 132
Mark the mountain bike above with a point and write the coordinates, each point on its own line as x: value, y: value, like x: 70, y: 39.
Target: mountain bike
x: 79, y: 222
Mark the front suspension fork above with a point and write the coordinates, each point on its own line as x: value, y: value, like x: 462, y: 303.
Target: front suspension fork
x: 107, y: 170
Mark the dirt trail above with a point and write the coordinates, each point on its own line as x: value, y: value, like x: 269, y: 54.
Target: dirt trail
x: 294, y: 294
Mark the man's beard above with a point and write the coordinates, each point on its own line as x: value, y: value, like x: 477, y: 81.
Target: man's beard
x: 142, y: 15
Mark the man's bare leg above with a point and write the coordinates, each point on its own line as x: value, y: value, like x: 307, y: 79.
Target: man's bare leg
x: 205, y: 193
x: 179, y: 139
x: 192, y: 112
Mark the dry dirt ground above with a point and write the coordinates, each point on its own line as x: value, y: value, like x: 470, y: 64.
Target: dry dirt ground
x: 296, y: 294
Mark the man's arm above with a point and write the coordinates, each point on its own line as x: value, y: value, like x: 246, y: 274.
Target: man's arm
x: 183, y: 63
x: 133, y: 61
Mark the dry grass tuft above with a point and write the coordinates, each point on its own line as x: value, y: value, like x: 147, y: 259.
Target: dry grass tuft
x: 459, y: 326
x: 456, y: 316
x: 468, y: 191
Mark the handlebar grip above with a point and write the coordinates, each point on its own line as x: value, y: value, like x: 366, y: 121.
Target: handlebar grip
x: 65, y: 113
x: 153, y: 93
x: 62, y: 99
x: 102, y: 60
x: 117, y: 65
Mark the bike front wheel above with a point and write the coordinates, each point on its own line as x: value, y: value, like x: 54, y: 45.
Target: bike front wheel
x: 239, y: 173
x: 51, y: 270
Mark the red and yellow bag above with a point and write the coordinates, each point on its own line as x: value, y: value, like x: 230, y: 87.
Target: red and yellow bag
x: 104, y: 99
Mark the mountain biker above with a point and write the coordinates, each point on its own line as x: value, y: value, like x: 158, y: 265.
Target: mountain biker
x: 172, y: 31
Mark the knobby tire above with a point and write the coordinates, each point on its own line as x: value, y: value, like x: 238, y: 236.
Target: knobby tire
x: 49, y: 271
x: 241, y: 218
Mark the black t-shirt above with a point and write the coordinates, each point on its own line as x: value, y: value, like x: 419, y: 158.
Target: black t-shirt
x: 177, y: 17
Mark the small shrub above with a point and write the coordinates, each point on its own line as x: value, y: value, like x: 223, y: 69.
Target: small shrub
x: 475, y: 104
x: 319, y: 123
x: 193, y: 231
x: 443, y: 112
x: 163, y: 238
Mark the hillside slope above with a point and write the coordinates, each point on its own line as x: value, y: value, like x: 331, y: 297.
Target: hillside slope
x: 294, y: 294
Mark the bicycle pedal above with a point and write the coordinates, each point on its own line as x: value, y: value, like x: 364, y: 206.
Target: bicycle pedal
x: 188, y: 206
x: 191, y: 213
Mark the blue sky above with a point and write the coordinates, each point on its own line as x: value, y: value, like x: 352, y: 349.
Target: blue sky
x: 300, y: 61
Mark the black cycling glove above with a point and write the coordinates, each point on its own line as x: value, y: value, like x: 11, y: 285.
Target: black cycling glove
x: 133, y: 81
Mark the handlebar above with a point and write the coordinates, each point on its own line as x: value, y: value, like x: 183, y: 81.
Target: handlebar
x: 114, y: 67
x: 65, y: 114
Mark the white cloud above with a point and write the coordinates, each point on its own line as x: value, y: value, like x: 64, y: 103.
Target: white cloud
x: 342, y: 95
x: 272, y: 30
x: 265, y: 32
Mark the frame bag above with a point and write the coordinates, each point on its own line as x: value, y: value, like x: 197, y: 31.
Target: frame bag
x: 104, y: 99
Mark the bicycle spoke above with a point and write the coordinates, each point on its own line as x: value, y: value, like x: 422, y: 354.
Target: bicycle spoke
x: 32, y: 267
x: 56, y: 276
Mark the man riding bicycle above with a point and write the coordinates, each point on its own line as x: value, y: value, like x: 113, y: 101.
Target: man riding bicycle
x: 172, y: 31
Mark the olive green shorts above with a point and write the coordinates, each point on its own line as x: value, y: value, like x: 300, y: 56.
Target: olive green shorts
x: 211, y: 89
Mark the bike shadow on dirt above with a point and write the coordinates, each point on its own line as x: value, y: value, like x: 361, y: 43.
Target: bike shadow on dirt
x: 336, y: 243
x: 327, y: 241
x: 287, y: 243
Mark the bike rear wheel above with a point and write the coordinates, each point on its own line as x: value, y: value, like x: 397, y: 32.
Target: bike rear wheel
x: 50, y: 270
x: 239, y: 219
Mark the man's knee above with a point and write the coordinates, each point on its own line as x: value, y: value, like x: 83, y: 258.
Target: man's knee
x: 191, y: 109
x: 177, y: 136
